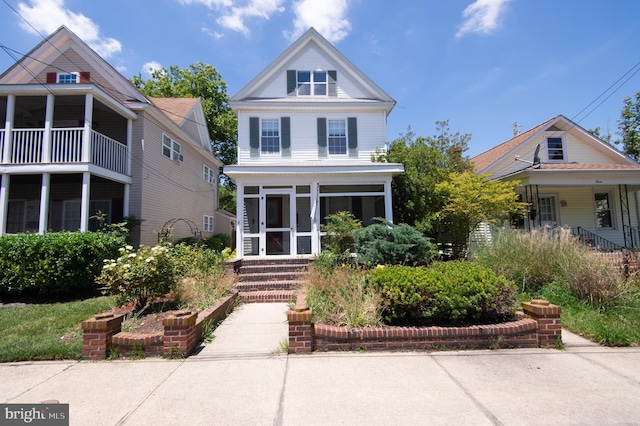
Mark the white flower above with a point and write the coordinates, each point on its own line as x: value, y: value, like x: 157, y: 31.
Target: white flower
x: 129, y: 247
x: 126, y: 266
x: 132, y: 255
x: 149, y: 259
x: 121, y: 249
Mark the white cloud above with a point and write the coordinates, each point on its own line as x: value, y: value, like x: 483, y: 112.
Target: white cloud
x: 149, y: 67
x: 234, y: 17
x: 47, y: 15
x: 482, y: 16
x: 328, y: 17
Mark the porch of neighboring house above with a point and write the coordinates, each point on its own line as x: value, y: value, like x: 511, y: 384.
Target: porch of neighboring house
x: 63, y: 158
x: 606, y: 218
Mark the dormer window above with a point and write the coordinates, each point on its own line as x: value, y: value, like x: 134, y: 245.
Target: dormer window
x: 311, y: 83
x: 68, y: 78
x: 556, y: 149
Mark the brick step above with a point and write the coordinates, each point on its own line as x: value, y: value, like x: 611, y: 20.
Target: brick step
x: 270, y: 276
x: 247, y: 286
x: 269, y: 296
x: 255, y: 269
x: 294, y: 261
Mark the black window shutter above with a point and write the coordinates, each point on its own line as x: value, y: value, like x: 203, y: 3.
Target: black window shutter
x: 333, y: 78
x: 254, y: 135
x: 322, y: 137
x: 352, y: 129
x: 285, y: 124
x: 291, y: 82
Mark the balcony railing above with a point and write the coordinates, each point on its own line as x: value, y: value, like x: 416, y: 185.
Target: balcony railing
x: 66, y: 146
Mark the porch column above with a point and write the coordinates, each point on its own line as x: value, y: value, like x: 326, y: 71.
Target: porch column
x: 44, y: 203
x: 88, y: 120
x: 84, y: 204
x: 315, y: 223
x: 4, y: 203
x: 125, y: 200
x: 240, y: 220
x: 48, y: 124
x: 129, y: 143
x: 8, y: 130
x: 388, y: 204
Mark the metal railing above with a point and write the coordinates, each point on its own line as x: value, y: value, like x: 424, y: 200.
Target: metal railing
x: 594, y: 240
x: 632, y: 236
x: 66, y: 146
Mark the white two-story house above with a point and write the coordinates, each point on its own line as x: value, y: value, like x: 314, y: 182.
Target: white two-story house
x: 308, y: 125
x: 77, y: 138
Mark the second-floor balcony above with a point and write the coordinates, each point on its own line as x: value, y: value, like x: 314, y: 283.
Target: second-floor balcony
x: 63, y: 145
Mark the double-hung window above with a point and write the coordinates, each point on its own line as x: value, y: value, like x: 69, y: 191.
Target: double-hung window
x: 604, y: 215
x: 337, y: 137
x: 270, y: 136
x: 208, y: 175
x: 207, y: 223
x: 171, y: 148
x: 555, y: 149
x: 312, y: 83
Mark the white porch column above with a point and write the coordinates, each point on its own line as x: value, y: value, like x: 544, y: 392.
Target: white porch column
x: 8, y: 129
x: 84, y: 204
x: 129, y: 145
x: 45, y: 190
x: 239, y: 220
x: 88, y: 120
x: 388, y: 202
x: 315, y: 223
x: 125, y: 200
x: 4, y: 203
x: 48, y: 124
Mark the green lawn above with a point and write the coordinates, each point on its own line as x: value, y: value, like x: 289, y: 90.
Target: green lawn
x: 46, y: 331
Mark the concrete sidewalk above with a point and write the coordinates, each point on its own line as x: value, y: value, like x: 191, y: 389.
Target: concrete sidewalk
x: 585, y: 384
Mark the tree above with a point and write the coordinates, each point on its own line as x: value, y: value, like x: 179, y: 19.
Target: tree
x: 629, y: 126
x: 472, y: 199
x: 227, y: 198
x: 202, y: 81
x: 597, y: 132
x: 427, y: 162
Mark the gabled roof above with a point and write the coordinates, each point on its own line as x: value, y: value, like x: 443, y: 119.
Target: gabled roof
x: 54, y: 46
x: 483, y: 162
x: 312, y: 37
x: 177, y: 109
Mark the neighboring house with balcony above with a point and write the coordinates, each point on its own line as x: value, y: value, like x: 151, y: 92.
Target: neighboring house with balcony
x: 308, y: 126
x: 570, y: 178
x: 77, y: 137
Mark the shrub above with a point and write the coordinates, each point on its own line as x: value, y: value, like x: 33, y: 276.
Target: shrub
x: 141, y: 276
x: 542, y: 257
x: 342, y: 297
x: 384, y: 243
x: 339, y: 233
x: 444, y: 293
x: 54, y: 264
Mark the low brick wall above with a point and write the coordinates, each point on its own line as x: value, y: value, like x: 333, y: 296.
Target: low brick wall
x: 182, y: 332
x: 538, y: 326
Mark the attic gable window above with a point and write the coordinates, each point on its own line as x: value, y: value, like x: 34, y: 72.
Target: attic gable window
x: 73, y: 77
x: 556, y: 150
x: 68, y: 77
x: 311, y: 83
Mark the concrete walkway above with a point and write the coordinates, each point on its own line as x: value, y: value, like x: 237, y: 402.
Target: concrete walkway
x: 228, y: 383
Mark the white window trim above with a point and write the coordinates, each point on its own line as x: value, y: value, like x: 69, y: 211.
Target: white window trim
x: 60, y: 74
x: 175, y: 149
x: 556, y: 209
x: 312, y: 84
x: 346, y: 137
x: 207, y: 223
x: 612, y: 210
x: 561, y: 136
x: 208, y: 175
x: 267, y: 153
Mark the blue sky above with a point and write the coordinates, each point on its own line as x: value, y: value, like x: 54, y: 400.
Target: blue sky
x: 482, y: 64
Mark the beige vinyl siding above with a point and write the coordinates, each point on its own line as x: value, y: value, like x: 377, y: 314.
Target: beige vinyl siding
x: 304, y: 137
x: 173, y: 189
x: 310, y: 60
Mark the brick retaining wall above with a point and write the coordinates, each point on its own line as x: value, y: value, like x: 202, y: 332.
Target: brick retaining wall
x: 539, y: 326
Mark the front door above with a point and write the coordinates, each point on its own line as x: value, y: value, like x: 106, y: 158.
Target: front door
x: 548, y: 206
x: 277, y: 226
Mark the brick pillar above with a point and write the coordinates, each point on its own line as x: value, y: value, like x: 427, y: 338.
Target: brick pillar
x: 548, y: 318
x: 300, y: 327
x: 97, y: 333
x: 180, y: 335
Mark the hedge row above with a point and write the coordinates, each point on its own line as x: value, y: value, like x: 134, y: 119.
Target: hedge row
x: 55, y: 264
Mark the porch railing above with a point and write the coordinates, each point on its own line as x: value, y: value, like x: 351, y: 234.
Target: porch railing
x: 66, y: 146
x: 632, y: 236
x: 594, y: 240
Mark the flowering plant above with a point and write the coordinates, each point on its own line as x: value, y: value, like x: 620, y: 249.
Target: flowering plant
x: 139, y: 276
